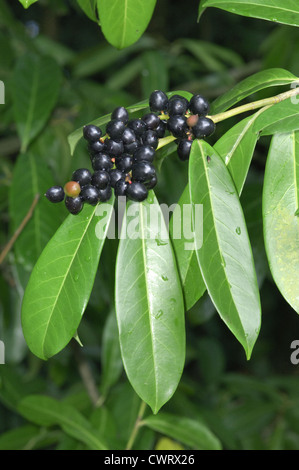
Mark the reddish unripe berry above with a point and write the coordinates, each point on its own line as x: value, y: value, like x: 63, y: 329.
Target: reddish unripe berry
x: 72, y: 189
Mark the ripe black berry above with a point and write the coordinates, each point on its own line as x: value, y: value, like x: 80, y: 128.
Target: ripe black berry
x: 199, y: 105
x: 115, y: 129
x: 150, y: 138
x: 132, y: 147
x: 91, y: 133
x: 82, y: 176
x: 105, y: 194
x: 138, y: 126
x: 184, y: 149
x: 204, y: 128
x: 161, y: 129
x: 90, y: 194
x: 177, y: 106
x: 121, y: 187
x: 143, y: 172
x: 137, y: 191
x: 152, y: 183
x: 74, y: 204
x: 101, y: 161
x: 177, y: 125
x: 55, y: 194
x: 158, y: 101
x: 144, y: 153
x: 115, y: 175
x: 124, y: 163
x: 151, y: 120
x: 100, y: 179
x: 128, y: 136
x: 120, y: 113
x: 96, y: 147
x: 114, y: 147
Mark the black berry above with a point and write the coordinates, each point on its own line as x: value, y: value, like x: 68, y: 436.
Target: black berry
x: 115, y: 129
x: 96, y: 147
x: 105, y: 194
x: 90, y: 194
x: 138, y: 126
x: 177, y: 125
x: 184, y: 149
x: 114, y: 147
x: 101, y: 161
x: 82, y: 176
x: 121, y: 187
x: 121, y: 114
x: 199, y: 105
x: 74, y: 204
x: 152, y: 183
x: 143, y: 172
x: 100, y: 179
x: 91, y: 133
x: 161, y: 129
x: 177, y: 106
x: 151, y: 120
x: 150, y: 138
x: 137, y: 191
x: 115, y: 175
x: 128, y: 136
x: 204, y: 128
x: 144, y: 153
x: 55, y: 194
x: 158, y: 101
x: 124, y: 163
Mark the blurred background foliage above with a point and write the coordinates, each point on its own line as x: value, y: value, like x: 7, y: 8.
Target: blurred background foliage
x: 247, y: 404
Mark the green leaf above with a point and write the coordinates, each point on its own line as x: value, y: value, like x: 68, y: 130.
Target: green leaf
x: 248, y: 86
x: 27, y: 3
x: 61, y: 281
x: 280, y: 205
x: 110, y: 358
x: 192, y: 433
x: 286, y: 12
x: 281, y: 117
x: 45, y: 411
x: 149, y: 305
x: 225, y: 258
x: 89, y: 8
x: 35, y: 86
x: 154, y: 72
x: 45, y: 218
x: 236, y: 148
x: 124, y: 22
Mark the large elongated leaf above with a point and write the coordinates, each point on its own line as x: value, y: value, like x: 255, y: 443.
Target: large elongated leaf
x: 248, y: 86
x: 149, y: 305
x: 281, y: 117
x: 225, y: 258
x: 27, y: 3
x: 124, y: 22
x: 61, y: 282
x: 272, y: 10
x: 192, y: 433
x: 45, y: 411
x: 35, y: 88
x: 280, y: 206
x: 236, y: 148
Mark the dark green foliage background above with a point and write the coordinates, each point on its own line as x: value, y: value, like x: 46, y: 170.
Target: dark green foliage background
x: 247, y: 404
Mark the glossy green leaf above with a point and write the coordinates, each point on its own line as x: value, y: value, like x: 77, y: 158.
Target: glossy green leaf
x: 149, y: 305
x: 281, y: 117
x: 61, y: 281
x: 123, y: 23
x: 236, y: 148
x: 89, y: 7
x: 225, y: 258
x: 45, y: 411
x: 110, y: 358
x: 46, y: 217
x: 248, y: 86
x: 27, y: 3
x: 35, y: 80
x: 192, y: 433
x: 286, y: 12
x: 280, y: 206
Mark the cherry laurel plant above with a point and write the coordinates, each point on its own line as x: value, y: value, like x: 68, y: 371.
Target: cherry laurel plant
x: 159, y: 275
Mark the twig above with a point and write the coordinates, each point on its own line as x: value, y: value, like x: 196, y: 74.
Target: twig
x: 136, y: 426
x: 20, y: 228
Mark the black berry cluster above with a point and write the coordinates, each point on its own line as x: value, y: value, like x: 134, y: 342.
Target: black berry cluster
x: 122, y: 158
